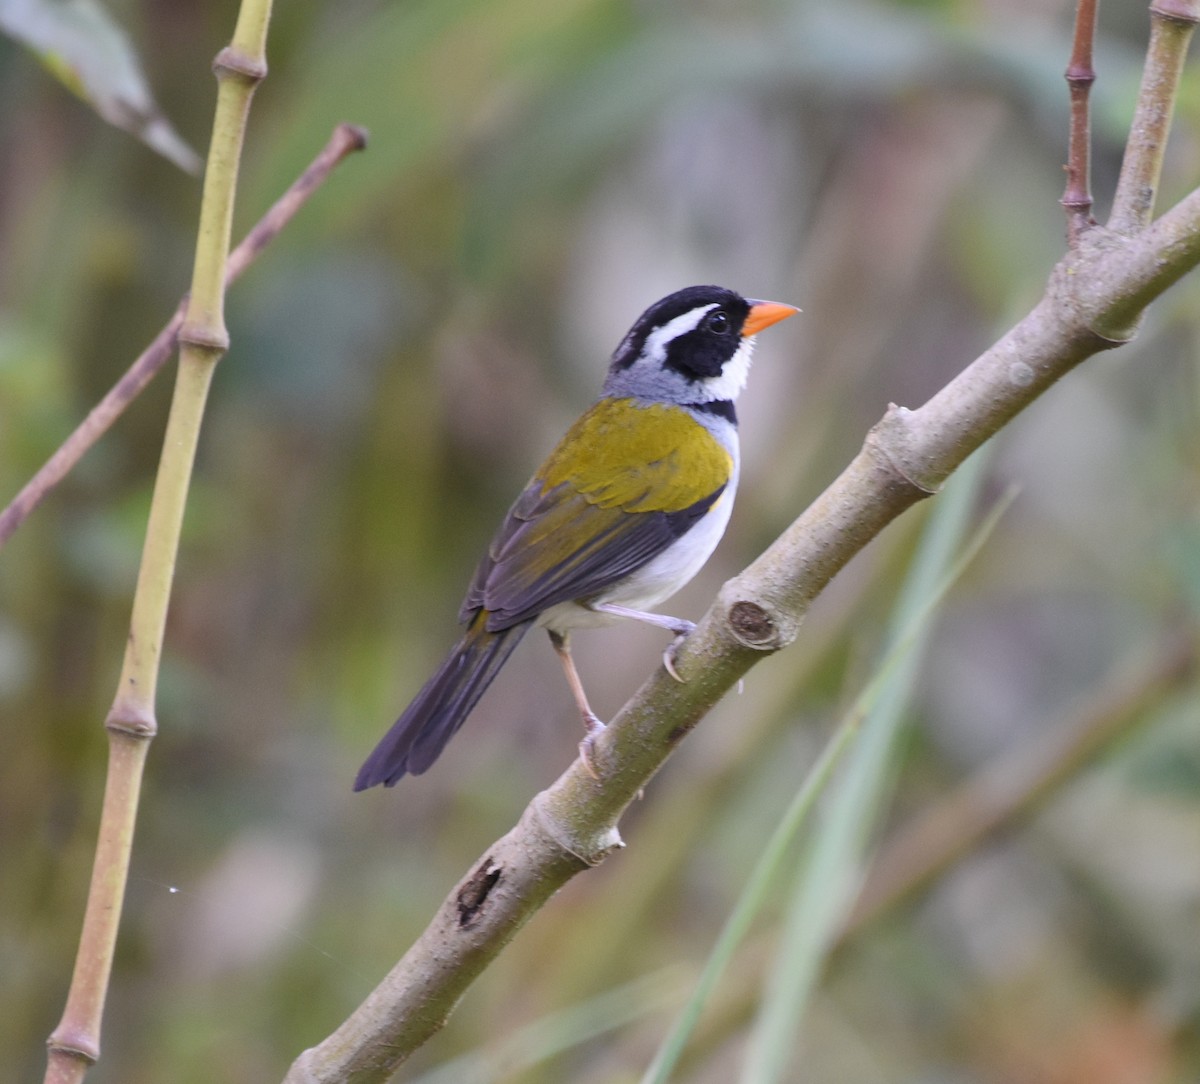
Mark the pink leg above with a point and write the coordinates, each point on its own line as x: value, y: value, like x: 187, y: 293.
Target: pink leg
x: 591, y: 722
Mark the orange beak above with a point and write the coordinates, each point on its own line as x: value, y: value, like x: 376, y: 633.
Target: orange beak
x: 765, y: 313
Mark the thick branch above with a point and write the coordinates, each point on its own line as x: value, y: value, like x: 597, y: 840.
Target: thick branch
x: 1103, y: 284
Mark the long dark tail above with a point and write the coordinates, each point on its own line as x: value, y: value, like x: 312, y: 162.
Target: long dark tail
x: 418, y: 737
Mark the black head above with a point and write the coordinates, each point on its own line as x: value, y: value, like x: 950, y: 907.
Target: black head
x: 702, y: 345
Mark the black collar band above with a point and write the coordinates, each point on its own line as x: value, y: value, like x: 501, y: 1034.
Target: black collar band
x: 721, y: 408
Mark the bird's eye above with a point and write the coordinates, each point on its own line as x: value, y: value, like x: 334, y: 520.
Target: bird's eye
x: 718, y: 322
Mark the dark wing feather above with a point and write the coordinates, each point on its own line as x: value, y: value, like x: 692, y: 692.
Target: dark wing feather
x: 535, y: 568
x: 623, y: 484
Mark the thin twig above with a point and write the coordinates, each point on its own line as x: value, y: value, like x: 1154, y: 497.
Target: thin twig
x: 1014, y: 785
x: 1172, y: 23
x: 345, y: 139
x: 1077, y: 198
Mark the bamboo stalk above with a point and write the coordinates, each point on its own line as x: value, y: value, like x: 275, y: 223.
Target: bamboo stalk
x: 74, y: 1045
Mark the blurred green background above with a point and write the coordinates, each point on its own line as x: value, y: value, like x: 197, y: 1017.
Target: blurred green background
x: 402, y: 358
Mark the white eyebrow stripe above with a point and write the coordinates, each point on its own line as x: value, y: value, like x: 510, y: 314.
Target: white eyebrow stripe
x: 656, y: 342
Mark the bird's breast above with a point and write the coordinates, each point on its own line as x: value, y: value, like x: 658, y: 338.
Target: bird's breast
x: 665, y: 574
x: 655, y: 581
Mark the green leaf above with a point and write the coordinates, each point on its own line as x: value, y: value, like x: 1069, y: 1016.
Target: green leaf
x: 529, y: 1046
x: 829, y: 874
x: 749, y: 903
x: 875, y: 716
x: 78, y: 41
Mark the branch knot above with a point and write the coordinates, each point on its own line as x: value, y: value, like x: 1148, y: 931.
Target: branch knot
x: 1178, y: 11
x: 590, y: 852
x: 1080, y: 285
x: 474, y: 894
x: 753, y: 626
x: 204, y: 337
x: 231, y: 61
x: 131, y: 719
x: 888, y: 441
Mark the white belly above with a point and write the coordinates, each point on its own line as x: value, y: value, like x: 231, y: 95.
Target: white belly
x: 656, y: 580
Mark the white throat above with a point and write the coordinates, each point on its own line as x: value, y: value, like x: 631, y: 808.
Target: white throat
x: 733, y: 375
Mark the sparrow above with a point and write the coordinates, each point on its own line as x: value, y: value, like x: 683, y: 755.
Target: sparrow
x: 624, y: 512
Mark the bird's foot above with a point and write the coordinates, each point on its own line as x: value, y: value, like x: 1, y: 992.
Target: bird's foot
x: 594, y: 729
x: 682, y: 629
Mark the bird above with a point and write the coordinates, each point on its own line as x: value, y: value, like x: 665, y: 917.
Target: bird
x: 625, y: 510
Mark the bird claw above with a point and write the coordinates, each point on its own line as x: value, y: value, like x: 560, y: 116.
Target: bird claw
x: 682, y: 631
x: 594, y: 728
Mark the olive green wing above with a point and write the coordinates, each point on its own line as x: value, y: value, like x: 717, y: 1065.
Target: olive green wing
x: 624, y: 483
